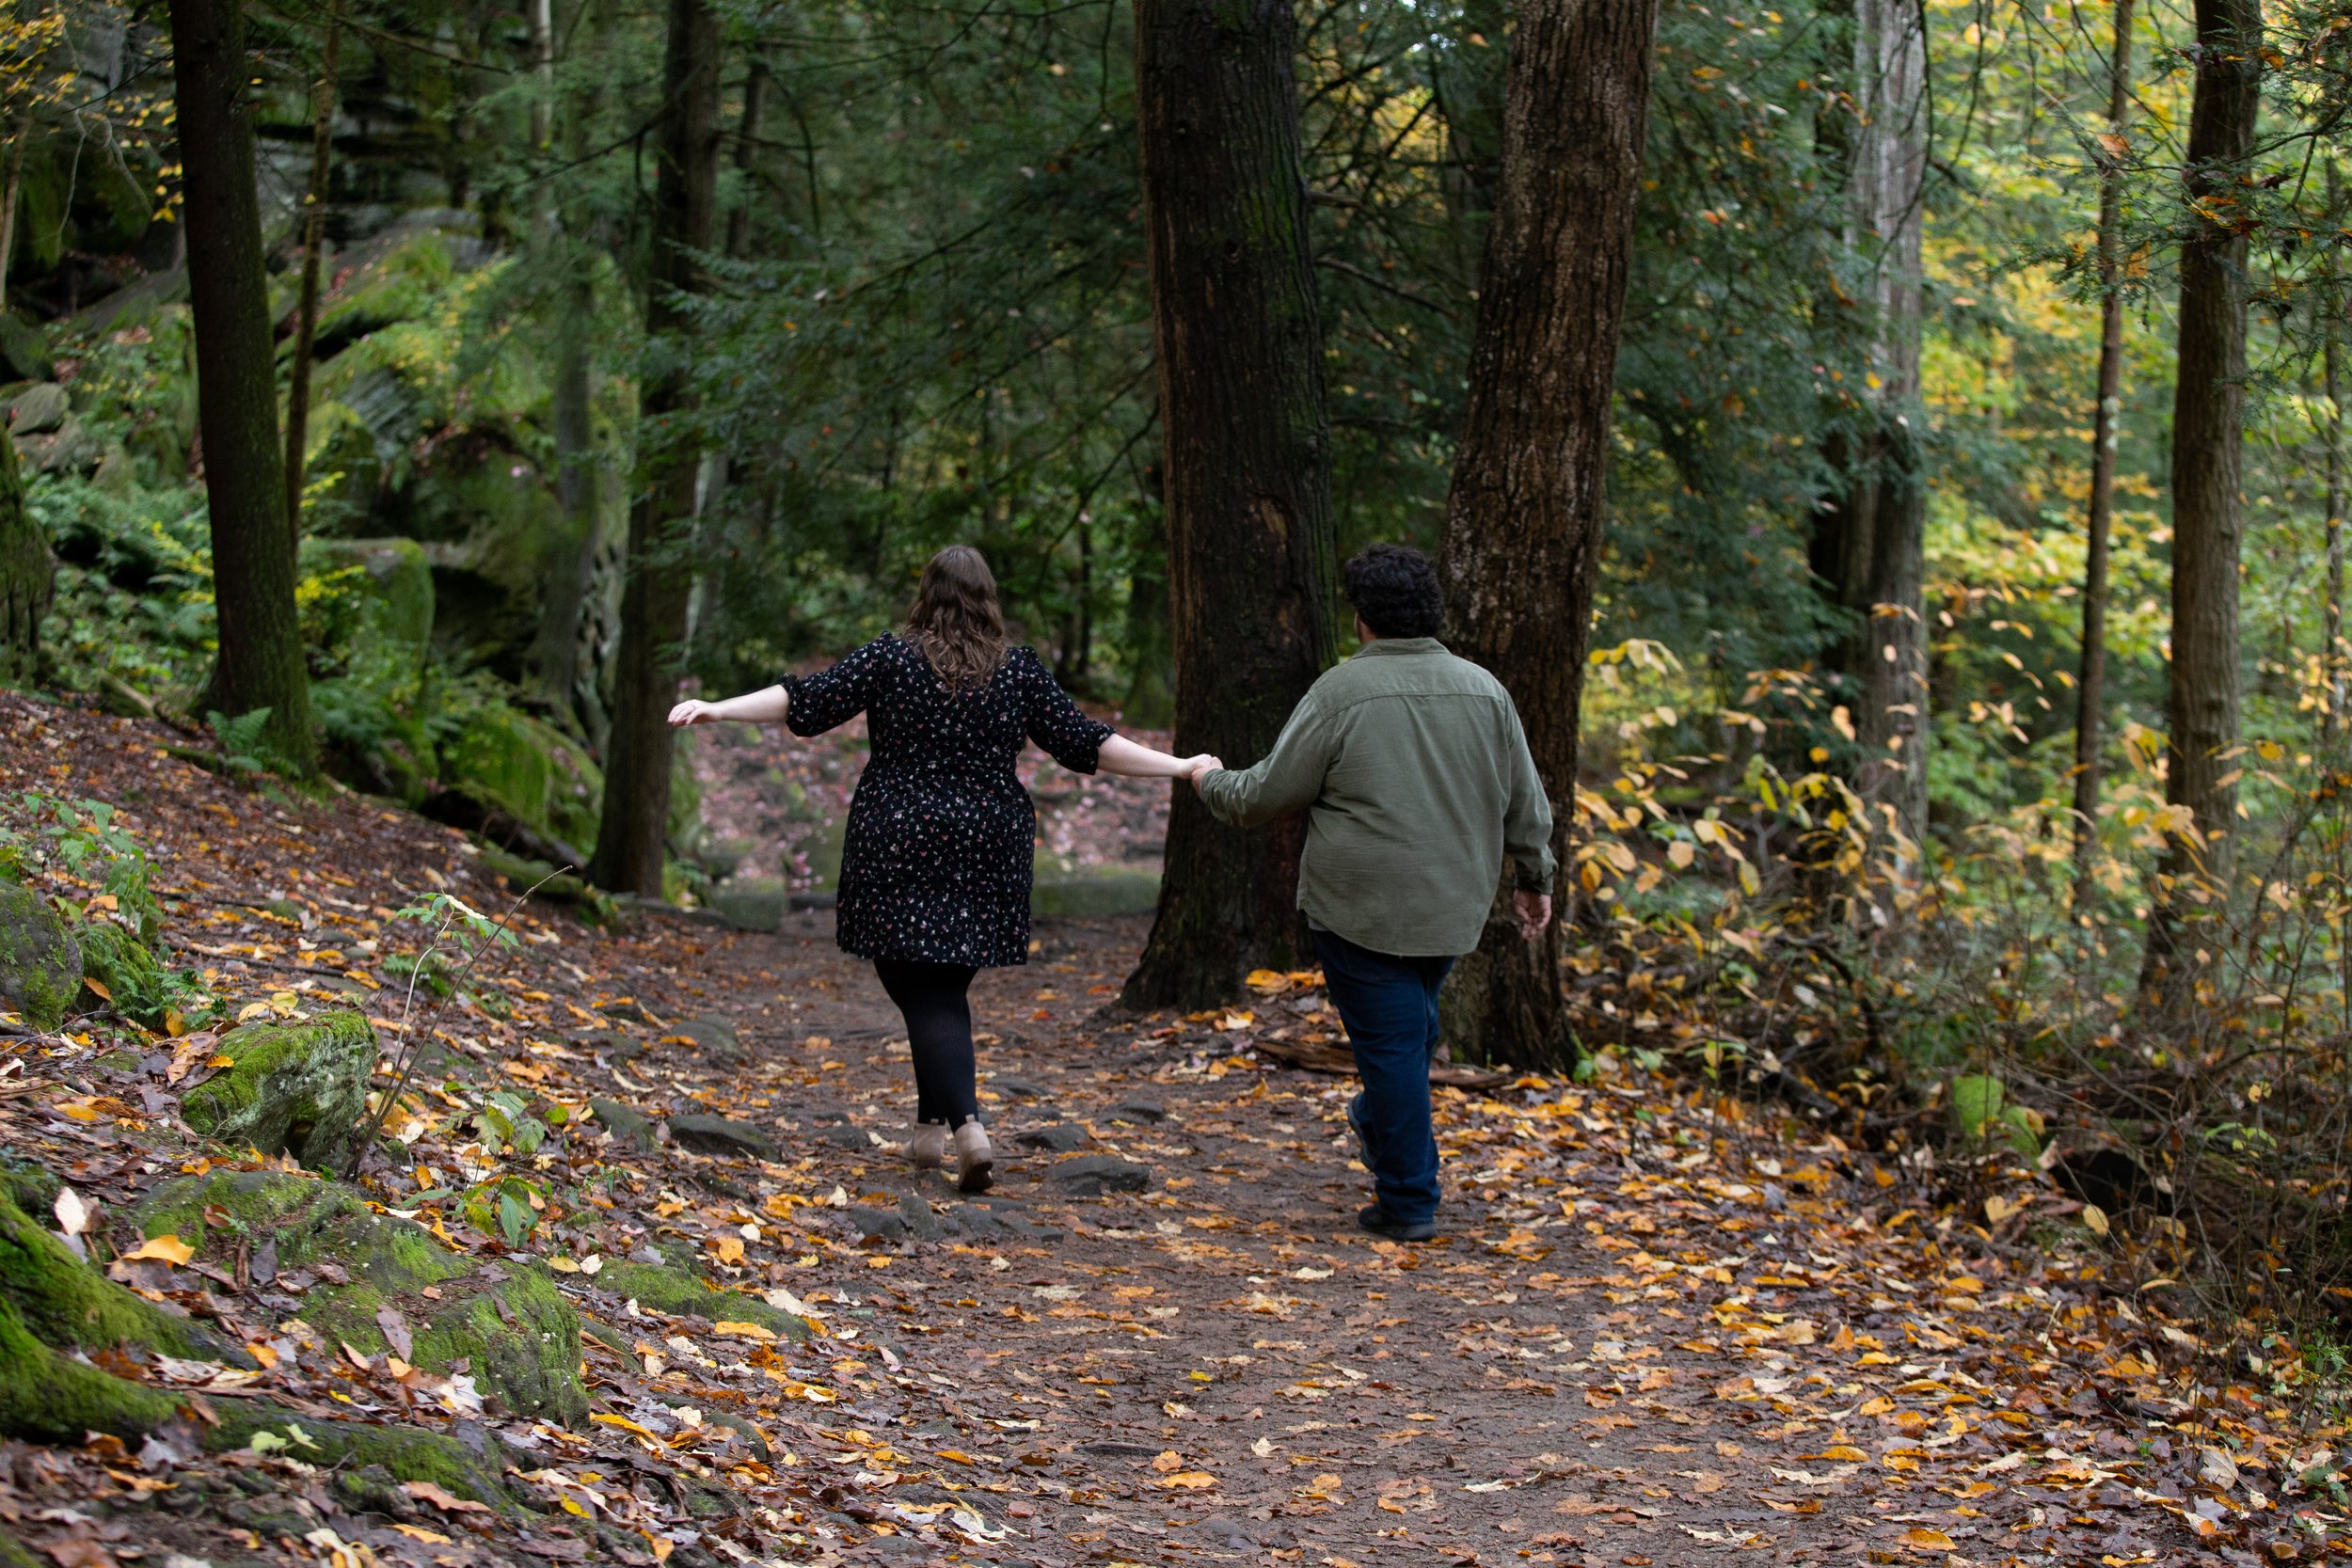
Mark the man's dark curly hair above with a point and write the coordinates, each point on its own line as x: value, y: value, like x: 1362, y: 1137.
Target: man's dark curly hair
x: 1394, y: 588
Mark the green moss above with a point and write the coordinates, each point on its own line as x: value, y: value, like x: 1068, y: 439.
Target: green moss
x: 677, y: 1291
x: 49, y: 1398
x: 41, y: 964
x: 296, y: 1088
x: 64, y: 1302
x: 408, y: 1453
x: 526, y: 768
x: 529, y: 1363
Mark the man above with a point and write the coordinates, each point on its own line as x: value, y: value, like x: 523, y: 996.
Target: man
x: 1418, y: 779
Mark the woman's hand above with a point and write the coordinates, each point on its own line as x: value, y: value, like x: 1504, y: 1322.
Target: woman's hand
x: 693, y: 712
x: 753, y: 707
x: 1199, y: 768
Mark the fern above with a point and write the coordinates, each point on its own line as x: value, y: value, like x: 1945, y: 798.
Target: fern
x: 241, y: 744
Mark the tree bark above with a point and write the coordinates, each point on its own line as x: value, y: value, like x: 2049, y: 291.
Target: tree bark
x: 314, y: 241
x: 28, y: 576
x: 9, y: 193
x: 1525, y: 514
x: 2331, y: 661
x: 260, y: 663
x: 638, y: 757
x: 2090, y: 679
x: 1889, y: 498
x: 2208, y: 433
x: 1252, y: 537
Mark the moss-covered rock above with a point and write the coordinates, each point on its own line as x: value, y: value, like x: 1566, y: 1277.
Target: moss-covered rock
x: 23, y: 350
x: 505, y: 1320
x: 41, y: 964
x: 470, y: 1465
x: 677, y: 1291
x: 527, y: 771
x: 294, y: 1087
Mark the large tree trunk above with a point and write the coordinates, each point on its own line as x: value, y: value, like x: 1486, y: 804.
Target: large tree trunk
x: 638, y: 757
x: 2208, y: 431
x: 28, y: 576
x: 2090, y: 682
x: 1523, y: 522
x: 313, y: 245
x: 1250, y: 533
x: 2331, y: 661
x: 260, y: 663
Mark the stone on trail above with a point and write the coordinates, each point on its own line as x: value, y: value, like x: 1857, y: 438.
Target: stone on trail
x: 1092, y: 1175
x: 297, y: 1089
x: 1060, y: 1138
x: 41, y: 963
x: 877, y: 1224
x: 709, y: 1134
x: 1020, y: 1088
x: 627, y: 1123
x: 915, y: 1211
x: 842, y: 1135
x: 713, y: 1037
x: 1138, y: 1111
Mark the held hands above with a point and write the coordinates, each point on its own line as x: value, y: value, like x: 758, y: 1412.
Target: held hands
x: 1199, y: 768
x: 693, y: 711
x: 1534, y: 912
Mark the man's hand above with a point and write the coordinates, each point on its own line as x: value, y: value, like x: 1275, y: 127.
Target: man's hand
x: 1200, y: 768
x: 1534, y: 912
x: 693, y: 712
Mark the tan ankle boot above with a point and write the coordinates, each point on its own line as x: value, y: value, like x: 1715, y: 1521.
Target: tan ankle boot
x: 927, y: 1149
x: 976, y: 1163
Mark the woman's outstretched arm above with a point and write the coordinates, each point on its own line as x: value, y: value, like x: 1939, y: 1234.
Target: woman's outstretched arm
x: 1124, y: 757
x: 753, y: 707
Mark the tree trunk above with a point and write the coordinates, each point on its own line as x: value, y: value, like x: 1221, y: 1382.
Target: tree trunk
x: 313, y: 241
x: 2331, y: 659
x: 9, y: 193
x: 1524, y: 519
x: 1888, y: 502
x: 2091, y: 681
x: 746, y: 150
x: 638, y: 757
x: 1250, y: 533
x: 260, y: 663
x: 2208, y: 431
x: 28, y: 576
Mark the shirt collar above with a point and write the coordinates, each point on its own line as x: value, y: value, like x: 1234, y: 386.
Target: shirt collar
x: 1401, y: 645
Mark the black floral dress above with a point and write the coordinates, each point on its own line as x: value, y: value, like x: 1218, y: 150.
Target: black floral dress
x: 940, y: 848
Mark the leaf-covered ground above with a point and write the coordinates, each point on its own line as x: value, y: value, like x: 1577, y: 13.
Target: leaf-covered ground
x: 1656, y: 1328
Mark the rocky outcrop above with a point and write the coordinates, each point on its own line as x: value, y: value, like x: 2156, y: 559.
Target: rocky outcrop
x: 293, y: 1087
x: 41, y: 964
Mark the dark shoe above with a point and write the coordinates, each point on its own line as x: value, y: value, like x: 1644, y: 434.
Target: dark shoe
x: 1372, y: 1219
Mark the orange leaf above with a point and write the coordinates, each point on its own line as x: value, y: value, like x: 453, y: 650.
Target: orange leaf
x: 162, y: 1249
x: 1926, y: 1540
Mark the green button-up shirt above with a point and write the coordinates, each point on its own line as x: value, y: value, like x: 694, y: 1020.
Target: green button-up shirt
x: 1418, y: 779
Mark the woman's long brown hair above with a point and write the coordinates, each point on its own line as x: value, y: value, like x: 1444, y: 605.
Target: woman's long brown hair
x: 955, y: 619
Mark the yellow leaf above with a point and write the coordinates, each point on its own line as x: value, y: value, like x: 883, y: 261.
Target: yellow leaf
x: 1191, y: 1480
x: 418, y: 1532
x: 730, y: 1249
x: 1680, y: 853
x: 562, y: 1264
x: 957, y: 1456
x: 605, y: 1418
x: 76, y: 1110
x: 571, y: 1506
x: 2096, y: 1218
x: 743, y: 1331
x: 99, y: 987
x: 662, y: 1545
x: 1169, y: 1460
x: 1267, y: 980
x: 1845, y: 1454
x: 252, y: 1010
x: 1926, y: 1540
x: 164, y: 1249
x: 1997, y: 1208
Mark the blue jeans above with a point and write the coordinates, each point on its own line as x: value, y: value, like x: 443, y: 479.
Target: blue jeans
x: 1390, y: 1006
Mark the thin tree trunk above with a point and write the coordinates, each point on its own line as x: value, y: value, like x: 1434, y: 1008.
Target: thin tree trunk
x: 631, y: 833
x: 314, y: 241
x: 2331, y: 661
x: 746, y: 148
x: 2091, y: 681
x: 9, y: 198
x: 1889, y: 177
x: 572, y: 553
x: 1525, y: 515
x: 28, y: 576
x: 1250, y: 530
x: 2208, y: 433
x: 260, y: 663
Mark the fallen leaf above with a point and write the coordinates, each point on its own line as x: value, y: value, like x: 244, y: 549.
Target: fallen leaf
x: 1926, y: 1540
x: 160, y: 1249
x: 426, y: 1491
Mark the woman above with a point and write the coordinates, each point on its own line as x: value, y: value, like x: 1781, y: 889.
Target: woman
x: 936, y: 864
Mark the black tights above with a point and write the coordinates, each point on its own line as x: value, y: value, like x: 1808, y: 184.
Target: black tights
x: 939, y: 1031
